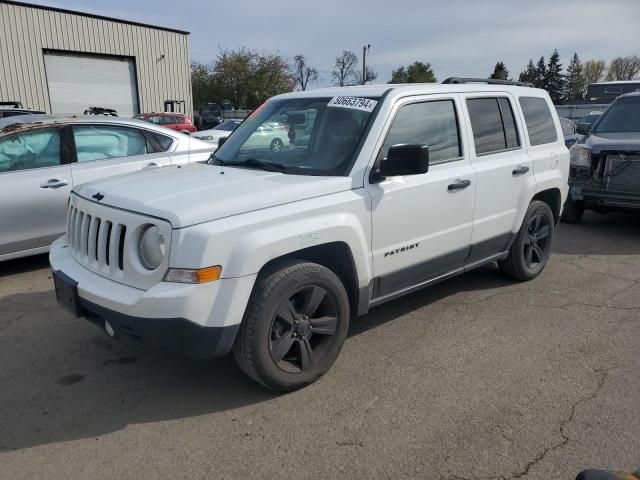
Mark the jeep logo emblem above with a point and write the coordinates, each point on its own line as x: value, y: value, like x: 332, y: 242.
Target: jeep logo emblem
x: 98, y: 196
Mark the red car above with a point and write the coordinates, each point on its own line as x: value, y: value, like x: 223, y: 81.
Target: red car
x: 174, y: 121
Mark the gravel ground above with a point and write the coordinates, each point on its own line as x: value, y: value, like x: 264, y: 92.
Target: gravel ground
x: 477, y: 377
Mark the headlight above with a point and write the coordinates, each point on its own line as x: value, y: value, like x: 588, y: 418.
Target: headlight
x: 580, y: 157
x: 152, y: 247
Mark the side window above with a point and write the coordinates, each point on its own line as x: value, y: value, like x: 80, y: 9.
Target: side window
x: 167, y: 119
x: 163, y: 141
x: 178, y: 119
x: 509, y: 122
x: 36, y: 149
x: 99, y: 142
x: 540, y: 125
x: 431, y: 123
x: 493, y: 124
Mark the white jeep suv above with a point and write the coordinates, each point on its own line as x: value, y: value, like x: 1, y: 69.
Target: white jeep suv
x: 378, y: 192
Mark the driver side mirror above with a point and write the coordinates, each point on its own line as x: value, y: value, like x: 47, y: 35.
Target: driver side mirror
x: 405, y: 160
x: 583, y: 128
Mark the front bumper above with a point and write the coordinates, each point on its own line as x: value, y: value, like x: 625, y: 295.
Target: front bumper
x: 199, y: 321
x: 604, y: 198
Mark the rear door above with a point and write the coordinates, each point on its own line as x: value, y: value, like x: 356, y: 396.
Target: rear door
x: 35, y: 181
x: 504, y: 171
x: 103, y: 150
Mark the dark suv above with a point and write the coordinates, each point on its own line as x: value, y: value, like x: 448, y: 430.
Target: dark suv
x: 605, y: 165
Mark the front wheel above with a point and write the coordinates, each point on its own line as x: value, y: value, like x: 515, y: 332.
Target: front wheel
x: 531, y: 248
x: 276, y: 145
x: 294, y: 327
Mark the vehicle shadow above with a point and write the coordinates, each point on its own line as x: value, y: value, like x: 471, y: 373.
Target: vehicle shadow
x: 22, y: 265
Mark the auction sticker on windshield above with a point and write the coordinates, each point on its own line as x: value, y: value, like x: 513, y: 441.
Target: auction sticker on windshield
x: 357, y: 103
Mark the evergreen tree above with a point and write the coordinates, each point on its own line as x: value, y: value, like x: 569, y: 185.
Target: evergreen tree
x: 529, y: 75
x: 574, y: 80
x: 417, y: 72
x: 541, y: 74
x: 500, y: 72
x: 553, y: 79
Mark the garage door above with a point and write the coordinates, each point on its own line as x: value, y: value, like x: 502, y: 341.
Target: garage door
x: 77, y: 82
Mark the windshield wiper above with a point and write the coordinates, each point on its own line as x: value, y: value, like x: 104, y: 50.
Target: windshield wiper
x: 253, y: 163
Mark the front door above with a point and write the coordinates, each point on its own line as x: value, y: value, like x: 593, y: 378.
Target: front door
x: 34, y: 188
x: 422, y: 223
x: 106, y: 150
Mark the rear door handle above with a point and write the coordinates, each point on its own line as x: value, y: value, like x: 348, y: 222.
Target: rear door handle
x: 54, y: 183
x: 459, y: 184
x: 521, y: 170
x: 151, y: 165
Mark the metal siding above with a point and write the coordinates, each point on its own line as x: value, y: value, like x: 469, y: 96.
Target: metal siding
x: 26, y: 32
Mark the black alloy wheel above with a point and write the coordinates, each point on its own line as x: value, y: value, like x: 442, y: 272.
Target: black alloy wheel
x: 302, y: 328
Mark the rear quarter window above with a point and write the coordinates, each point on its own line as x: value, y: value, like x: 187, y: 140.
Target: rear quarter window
x: 540, y: 125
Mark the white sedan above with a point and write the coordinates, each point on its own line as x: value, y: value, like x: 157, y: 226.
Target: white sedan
x: 214, y: 135
x: 272, y: 136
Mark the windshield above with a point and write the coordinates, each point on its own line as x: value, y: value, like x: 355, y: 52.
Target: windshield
x: 302, y: 136
x: 623, y: 116
x: 227, y: 126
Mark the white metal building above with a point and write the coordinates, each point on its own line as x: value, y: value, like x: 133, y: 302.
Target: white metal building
x: 64, y: 62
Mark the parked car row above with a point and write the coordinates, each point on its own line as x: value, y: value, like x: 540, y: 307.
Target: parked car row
x: 43, y: 158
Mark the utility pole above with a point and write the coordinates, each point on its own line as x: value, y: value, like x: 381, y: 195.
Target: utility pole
x: 365, y: 49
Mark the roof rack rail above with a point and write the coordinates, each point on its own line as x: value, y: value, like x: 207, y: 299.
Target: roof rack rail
x: 11, y: 103
x: 490, y: 81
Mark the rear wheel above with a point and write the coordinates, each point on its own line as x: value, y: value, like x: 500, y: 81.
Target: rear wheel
x: 294, y: 327
x: 531, y: 248
x: 573, y: 211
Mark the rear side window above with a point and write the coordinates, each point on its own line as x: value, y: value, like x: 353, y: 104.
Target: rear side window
x: 429, y: 123
x: 540, y: 125
x: 99, y: 142
x: 163, y: 141
x: 493, y: 125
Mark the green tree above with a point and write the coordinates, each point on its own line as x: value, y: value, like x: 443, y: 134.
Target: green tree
x: 574, y: 80
x: 593, y: 71
x: 344, y: 71
x: 203, y: 85
x: 541, y: 74
x: 247, y: 78
x: 624, y: 68
x: 500, y: 72
x: 303, y: 73
x: 417, y: 72
x: 553, y: 79
x: 529, y: 75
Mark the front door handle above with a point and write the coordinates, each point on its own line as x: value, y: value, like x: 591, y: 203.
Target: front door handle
x: 151, y: 165
x: 521, y: 170
x: 54, y: 183
x: 459, y: 184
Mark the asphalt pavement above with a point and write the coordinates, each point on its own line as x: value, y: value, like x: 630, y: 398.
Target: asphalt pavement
x: 475, y: 378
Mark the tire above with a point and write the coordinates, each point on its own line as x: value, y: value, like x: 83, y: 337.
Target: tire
x: 276, y: 145
x: 573, y: 211
x: 531, y: 248
x: 294, y: 327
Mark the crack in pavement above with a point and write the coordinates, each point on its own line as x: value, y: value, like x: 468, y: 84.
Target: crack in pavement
x: 557, y: 446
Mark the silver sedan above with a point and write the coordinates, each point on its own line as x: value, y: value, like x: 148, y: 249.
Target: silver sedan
x: 43, y: 158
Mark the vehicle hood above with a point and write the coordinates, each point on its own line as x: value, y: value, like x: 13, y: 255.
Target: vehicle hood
x: 197, y: 193
x: 600, y: 142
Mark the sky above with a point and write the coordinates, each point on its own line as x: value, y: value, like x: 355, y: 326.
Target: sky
x: 458, y: 37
